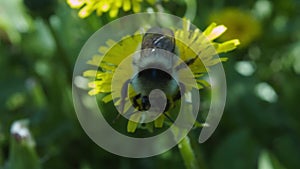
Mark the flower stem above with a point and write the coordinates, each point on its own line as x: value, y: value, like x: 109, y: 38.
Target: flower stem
x: 191, y: 9
x: 61, y: 53
x: 188, y: 154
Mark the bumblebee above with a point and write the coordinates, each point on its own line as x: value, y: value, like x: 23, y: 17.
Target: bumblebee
x: 155, y: 68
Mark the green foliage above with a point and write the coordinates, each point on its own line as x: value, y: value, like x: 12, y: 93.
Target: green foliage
x: 260, y: 126
x: 22, y: 153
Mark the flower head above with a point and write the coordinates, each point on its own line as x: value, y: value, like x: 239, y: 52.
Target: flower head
x: 102, y: 6
x: 193, y: 45
x: 241, y: 25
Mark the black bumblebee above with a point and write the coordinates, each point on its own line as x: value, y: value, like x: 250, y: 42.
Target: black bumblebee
x: 155, y: 68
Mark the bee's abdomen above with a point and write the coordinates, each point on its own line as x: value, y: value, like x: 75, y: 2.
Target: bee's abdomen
x: 149, y: 79
x: 155, y: 75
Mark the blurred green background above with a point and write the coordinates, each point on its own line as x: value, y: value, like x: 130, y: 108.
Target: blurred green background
x: 260, y: 128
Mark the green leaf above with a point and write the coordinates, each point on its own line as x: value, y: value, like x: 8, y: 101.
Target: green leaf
x: 268, y: 161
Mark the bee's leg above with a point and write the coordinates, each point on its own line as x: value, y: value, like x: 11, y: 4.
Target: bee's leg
x: 145, y: 103
x: 124, y: 92
x: 135, y: 103
x: 168, y: 117
x: 170, y: 104
x: 165, y: 112
x: 180, y: 93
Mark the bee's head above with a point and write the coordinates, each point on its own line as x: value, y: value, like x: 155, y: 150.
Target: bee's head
x: 157, y: 50
x: 160, y: 38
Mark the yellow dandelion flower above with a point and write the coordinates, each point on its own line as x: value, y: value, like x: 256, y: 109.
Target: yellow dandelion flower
x: 114, y: 53
x: 241, y: 25
x: 102, y: 6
